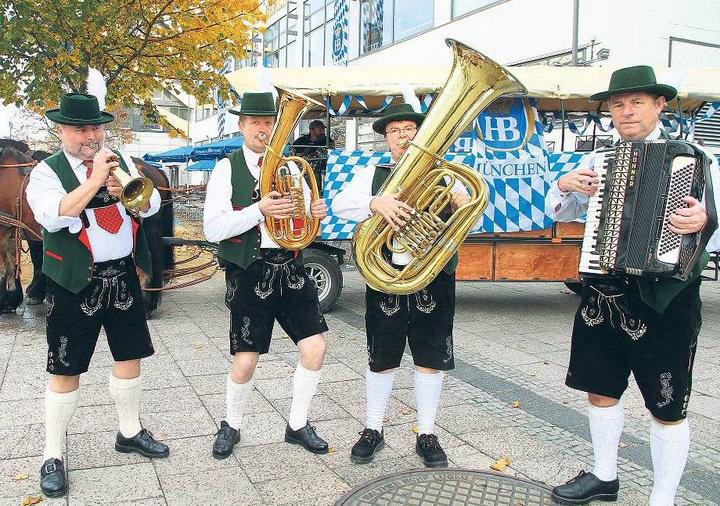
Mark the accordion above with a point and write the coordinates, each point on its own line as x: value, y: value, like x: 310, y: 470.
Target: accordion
x: 640, y: 185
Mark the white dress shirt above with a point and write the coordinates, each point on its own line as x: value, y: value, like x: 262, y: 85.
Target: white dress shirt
x: 353, y: 203
x: 569, y: 206
x: 220, y: 220
x: 45, y: 191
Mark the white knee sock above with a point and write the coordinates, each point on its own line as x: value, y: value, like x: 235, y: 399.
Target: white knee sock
x: 236, y: 396
x: 305, y: 384
x: 606, y: 426
x: 126, y: 394
x: 59, y: 410
x: 669, y: 446
x: 378, y: 387
x: 428, y: 387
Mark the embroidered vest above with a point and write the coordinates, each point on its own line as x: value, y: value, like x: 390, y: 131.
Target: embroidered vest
x: 68, y: 258
x: 381, y: 174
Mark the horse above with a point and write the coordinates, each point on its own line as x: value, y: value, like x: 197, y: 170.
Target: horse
x: 15, y: 209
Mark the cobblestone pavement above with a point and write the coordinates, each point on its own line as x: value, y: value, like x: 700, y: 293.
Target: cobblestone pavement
x: 511, y: 344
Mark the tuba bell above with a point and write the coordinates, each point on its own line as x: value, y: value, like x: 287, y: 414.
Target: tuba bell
x: 475, y: 81
x: 298, y: 231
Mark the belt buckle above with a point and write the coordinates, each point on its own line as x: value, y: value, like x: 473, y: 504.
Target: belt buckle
x: 50, y: 468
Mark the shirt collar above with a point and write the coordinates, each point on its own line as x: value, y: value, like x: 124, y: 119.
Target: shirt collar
x: 251, y: 157
x: 74, y: 162
x: 652, y: 136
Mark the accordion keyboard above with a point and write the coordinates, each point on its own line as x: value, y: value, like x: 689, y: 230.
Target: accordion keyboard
x: 589, y: 256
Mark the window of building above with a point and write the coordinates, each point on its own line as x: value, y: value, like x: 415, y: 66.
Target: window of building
x: 383, y: 22
x: 317, y: 43
x: 278, y: 39
x: 462, y: 7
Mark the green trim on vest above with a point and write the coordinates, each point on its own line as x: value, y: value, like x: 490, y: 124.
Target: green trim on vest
x: 243, y: 249
x: 67, y: 260
x: 381, y: 174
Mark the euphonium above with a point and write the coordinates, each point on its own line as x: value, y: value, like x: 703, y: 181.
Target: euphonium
x: 474, y: 82
x: 136, y: 191
x: 300, y: 229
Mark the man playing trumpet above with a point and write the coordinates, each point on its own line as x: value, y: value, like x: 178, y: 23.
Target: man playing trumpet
x: 424, y: 319
x: 91, y: 247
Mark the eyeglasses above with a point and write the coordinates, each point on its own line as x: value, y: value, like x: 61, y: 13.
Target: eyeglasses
x: 406, y: 131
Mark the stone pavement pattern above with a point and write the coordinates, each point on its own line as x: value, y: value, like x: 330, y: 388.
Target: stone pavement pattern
x: 511, y: 344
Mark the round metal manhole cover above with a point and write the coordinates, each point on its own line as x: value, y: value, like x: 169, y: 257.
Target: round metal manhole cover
x: 447, y: 487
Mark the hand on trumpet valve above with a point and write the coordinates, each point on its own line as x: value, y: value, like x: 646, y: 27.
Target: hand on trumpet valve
x: 318, y: 209
x: 113, y: 186
x: 273, y: 205
x: 395, y: 212
x: 103, y: 162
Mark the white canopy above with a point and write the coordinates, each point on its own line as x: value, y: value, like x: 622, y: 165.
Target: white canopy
x: 550, y: 85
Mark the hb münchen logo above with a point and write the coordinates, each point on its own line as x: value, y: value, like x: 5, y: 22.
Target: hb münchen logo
x: 506, y: 125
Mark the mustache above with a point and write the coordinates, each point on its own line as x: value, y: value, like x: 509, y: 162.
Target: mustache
x: 91, y: 144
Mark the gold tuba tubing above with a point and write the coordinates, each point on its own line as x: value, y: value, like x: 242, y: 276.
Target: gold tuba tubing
x: 298, y: 231
x: 475, y: 81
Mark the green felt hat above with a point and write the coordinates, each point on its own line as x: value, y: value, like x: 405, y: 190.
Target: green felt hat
x: 79, y: 109
x: 637, y: 78
x: 397, y: 112
x: 256, y: 104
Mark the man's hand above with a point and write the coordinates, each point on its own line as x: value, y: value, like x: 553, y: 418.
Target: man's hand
x: 395, y: 212
x: 579, y: 180
x: 458, y: 199
x: 273, y: 205
x: 318, y: 209
x: 113, y: 186
x: 690, y: 219
x: 102, y: 167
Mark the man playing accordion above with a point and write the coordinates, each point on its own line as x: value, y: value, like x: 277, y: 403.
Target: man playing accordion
x: 629, y: 324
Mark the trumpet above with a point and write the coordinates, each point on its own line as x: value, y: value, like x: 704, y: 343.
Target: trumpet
x: 136, y: 191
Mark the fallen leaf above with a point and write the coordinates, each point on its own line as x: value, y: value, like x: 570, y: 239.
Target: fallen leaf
x: 27, y: 343
x: 405, y: 411
x: 415, y: 429
x: 386, y: 419
x: 198, y: 345
x: 31, y: 499
x: 332, y: 449
x: 516, y: 404
x: 622, y: 445
x: 21, y: 476
x: 500, y: 464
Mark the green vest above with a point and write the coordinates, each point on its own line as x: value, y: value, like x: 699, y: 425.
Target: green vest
x: 381, y: 174
x: 658, y: 293
x: 68, y: 259
x: 243, y: 249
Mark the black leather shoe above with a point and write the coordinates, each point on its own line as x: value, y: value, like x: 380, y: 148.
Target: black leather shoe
x: 370, y: 442
x: 53, y: 481
x: 307, y: 438
x: 586, y: 487
x: 225, y: 440
x: 428, y: 447
x: 142, y: 443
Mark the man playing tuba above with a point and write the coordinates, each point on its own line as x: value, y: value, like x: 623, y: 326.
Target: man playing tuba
x: 424, y: 318
x: 264, y: 281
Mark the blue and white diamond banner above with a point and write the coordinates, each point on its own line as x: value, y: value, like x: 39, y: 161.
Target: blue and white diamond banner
x: 515, y: 204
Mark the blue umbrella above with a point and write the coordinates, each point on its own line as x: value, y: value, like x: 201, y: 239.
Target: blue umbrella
x: 202, y: 165
x: 177, y: 155
x: 217, y: 149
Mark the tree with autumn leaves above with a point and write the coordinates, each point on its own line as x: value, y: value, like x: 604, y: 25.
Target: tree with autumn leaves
x: 47, y: 47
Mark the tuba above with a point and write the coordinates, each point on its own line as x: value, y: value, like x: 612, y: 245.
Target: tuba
x: 136, y: 191
x: 475, y: 81
x: 296, y: 232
